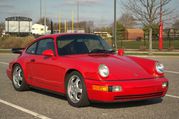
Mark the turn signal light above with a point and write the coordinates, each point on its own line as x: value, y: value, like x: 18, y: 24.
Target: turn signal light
x: 100, y: 88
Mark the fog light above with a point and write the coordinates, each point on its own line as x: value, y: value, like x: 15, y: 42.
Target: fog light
x: 164, y: 85
x: 115, y: 88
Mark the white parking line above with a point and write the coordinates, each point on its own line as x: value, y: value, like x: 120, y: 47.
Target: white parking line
x: 173, y: 72
x: 24, y: 110
x: 172, y: 96
x: 4, y: 63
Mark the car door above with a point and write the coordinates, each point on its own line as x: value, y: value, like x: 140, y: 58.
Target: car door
x: 28, y: 56
x: 44, y: 70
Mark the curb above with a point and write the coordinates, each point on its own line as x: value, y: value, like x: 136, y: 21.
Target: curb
x: 5, y: 50
x: 127, y: 52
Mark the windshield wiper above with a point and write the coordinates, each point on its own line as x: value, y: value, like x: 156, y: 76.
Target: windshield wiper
x: 101, y: 51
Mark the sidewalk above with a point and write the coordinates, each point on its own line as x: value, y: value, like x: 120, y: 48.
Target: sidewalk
x: 154, y: 52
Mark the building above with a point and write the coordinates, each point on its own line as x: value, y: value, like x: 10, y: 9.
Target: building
x: 76, y: 31
x: 18, y: 25
x: 134, y: 34
x: 103, y: 34
x: 39, y: 29
x: 106, y: 36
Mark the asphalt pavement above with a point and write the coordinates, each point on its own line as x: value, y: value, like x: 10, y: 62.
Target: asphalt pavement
x: 36, y: 104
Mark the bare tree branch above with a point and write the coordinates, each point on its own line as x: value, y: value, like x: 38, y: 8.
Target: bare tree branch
x: 147, y: 11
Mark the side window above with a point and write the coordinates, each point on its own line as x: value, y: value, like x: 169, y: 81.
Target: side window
x: 45, y: 44
x: 32, y: 48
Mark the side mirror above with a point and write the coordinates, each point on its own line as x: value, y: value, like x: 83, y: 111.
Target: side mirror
x: 120, y: 52
x: 48, y: 53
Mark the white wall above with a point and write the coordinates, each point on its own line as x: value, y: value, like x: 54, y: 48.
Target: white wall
x: 18, y: 26
x: 39, y: 29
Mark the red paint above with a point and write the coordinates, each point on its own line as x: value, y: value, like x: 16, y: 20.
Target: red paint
x: 136, y: 87
x: 161, y: 36
x: 49, y: 53
x: 121, y: 52
x: 137, y: 76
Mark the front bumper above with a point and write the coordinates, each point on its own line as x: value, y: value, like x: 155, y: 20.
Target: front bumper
x: 8, y: 72
x: 131, y: 90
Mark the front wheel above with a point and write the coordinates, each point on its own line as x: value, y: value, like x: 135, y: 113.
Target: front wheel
x: 18, y: 80
x: 76, y: 90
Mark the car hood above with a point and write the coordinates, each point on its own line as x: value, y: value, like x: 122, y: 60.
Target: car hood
x: 120, y: 67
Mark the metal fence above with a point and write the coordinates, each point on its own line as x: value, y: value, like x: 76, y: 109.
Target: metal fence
x: 170, y: 41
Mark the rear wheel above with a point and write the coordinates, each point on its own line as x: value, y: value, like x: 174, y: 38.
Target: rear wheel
x: 76, y: 90
x: 18, y: 80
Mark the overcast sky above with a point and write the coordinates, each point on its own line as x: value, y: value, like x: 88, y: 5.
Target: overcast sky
x: 100, y: 11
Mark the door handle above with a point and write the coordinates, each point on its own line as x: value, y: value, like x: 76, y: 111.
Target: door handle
x: 32, y: 60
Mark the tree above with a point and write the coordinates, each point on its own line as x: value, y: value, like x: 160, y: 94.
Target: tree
x: 176, y: 24
x: 88, y: 26
x: 127, y: 20
x: 2, y: 27
x: 42, y: 21
x: 148, y: 12
x: 120, y: 32
x: 155, y: 29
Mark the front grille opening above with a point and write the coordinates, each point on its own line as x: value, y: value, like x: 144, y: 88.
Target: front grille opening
x: 138, y: 97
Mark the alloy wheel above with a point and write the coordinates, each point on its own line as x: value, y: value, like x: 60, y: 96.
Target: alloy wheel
x: 17, y: 77
x: 75, y: 88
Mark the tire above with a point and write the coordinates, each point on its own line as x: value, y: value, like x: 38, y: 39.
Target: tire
x: 18, y: 80
x: 76, y: 90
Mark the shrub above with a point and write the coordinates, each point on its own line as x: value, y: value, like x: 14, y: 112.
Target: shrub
x: 7, y: 42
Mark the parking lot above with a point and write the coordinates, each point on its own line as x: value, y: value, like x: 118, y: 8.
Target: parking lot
x: 43, y: 105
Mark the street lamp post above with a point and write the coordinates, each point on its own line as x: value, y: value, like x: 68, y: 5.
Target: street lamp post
x: 40, y: 9
x: 77, y: 27
x: 45, y: 19
x: 114, y: 27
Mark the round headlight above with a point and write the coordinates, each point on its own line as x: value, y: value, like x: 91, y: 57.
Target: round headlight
x: 159, y: 68
x: 103, y: 70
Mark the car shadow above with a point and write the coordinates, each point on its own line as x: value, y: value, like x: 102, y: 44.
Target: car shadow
x: 49, y: 93
x: 100, y: 104
x: 126, y: 104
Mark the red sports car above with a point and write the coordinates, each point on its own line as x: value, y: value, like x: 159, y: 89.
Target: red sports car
x: 85, y: 68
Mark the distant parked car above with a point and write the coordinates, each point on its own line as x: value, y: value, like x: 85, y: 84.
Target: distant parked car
x: 85, y: 68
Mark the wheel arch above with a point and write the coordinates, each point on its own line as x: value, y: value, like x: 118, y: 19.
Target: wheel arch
x: 16, y: 63
x: 68, y: 72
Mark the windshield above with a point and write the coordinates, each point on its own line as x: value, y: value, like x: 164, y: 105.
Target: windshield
x: 82, y: 44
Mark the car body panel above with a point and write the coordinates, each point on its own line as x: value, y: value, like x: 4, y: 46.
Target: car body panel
x: 136, y: 88
x: 116, y: 66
